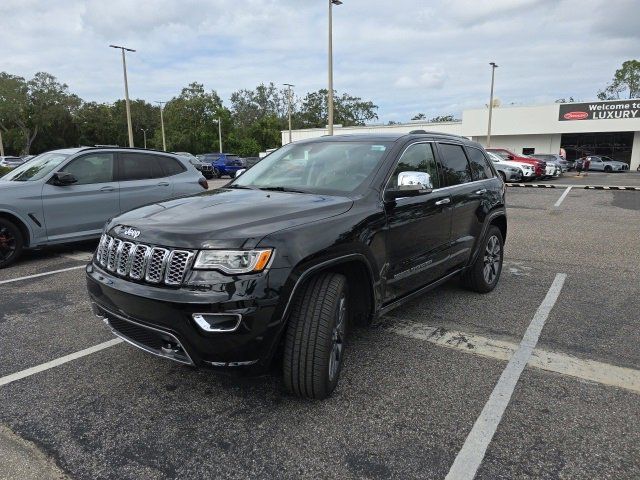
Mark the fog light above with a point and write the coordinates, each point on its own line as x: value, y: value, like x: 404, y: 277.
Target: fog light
x: 217, y: 322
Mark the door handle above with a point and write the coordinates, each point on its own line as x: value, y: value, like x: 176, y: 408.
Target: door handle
x: 481, y: 191
x: 444, y: 201
x: 107, y: 189
x: 163, y: 184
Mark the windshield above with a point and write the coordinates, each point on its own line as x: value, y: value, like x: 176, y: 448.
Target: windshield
x: 317, y: 167
x: 36, y: 168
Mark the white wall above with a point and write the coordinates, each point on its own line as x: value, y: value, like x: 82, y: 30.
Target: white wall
x: 445, y: 127
x: 515, y: 143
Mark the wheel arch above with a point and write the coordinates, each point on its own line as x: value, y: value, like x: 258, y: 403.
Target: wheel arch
x: 22, y: 226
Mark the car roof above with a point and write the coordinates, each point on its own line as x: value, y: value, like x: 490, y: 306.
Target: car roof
x: 386, y: 137
x: 71, y: 151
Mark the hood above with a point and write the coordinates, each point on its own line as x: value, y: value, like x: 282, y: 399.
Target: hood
x: 226, y: 218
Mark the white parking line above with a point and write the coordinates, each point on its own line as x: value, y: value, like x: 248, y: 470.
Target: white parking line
x: 562, y: 197
x: 557, y: 362
x: 475, y: 446
x: 57, y: 362
x: 52, y: 272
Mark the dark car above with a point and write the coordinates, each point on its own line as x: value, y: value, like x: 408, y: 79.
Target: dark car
x: 319, y: 234
x: 205, y: 168
x: 223, y: 164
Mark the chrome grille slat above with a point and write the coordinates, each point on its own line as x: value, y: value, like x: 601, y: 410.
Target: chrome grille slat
x: 156, y: 264
x: 138, y: 262
x: 141, y: 262
x: 177, y: 264
x: 113, y: 252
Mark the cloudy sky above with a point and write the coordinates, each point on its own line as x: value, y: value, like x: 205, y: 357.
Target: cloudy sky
x: 407, y: 56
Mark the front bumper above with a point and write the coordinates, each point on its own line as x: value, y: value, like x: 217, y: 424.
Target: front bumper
x: 160, y: 320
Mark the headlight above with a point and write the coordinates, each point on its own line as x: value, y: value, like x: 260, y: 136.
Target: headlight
x: 233, y: 261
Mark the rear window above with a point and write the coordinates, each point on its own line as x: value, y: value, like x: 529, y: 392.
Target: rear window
x: 139, y: 166
x: 479, y: 164
x: 455, y: 167
x: 170, y: 166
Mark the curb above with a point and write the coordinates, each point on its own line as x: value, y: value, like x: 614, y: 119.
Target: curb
x: 586, y: 187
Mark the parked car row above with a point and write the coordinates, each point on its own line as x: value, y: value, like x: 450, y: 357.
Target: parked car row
x: 531, y: 168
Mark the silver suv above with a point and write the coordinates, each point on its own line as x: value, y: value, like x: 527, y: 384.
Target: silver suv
x: 67, y: 195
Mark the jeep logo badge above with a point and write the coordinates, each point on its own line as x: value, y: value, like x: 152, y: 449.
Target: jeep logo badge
x: 131, y: 232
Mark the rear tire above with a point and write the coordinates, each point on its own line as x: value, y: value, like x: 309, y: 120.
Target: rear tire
x: 483, y: 275
x: 11, y: 243
x: 314, y: 343
x: 608, y: 169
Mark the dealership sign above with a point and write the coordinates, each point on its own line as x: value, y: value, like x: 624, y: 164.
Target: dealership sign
x: 600, y: 110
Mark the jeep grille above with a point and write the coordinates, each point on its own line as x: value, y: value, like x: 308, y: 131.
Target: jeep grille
x: 138, y: 261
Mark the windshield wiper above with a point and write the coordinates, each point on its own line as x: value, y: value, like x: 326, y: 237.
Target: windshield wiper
x: 247, y: 187
x: 282, y: 189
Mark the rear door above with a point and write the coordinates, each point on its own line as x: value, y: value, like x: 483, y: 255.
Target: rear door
x: 417, y: 239
x: 468, y: 193
x: 81, y: 210
x: 141, y: 180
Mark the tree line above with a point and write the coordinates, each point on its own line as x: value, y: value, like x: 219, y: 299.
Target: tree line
x: 41, y: 114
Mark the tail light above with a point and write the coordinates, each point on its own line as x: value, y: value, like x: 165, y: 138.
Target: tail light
x: 203, y: 183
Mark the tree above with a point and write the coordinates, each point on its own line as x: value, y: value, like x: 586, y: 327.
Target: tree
x: 566, y: 100
x: 35, y: 106
x: 626, y: 79
x: 348, y: 110
x: 443, y: 118
x: 190, y: 120
x: 420, y: 116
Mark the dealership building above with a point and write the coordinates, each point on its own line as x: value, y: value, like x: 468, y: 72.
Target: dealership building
x: 609, y: 128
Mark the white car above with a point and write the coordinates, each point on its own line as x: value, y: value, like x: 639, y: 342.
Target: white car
x: 526, y: 171
x: 606, y: 164
x: 553, y: 170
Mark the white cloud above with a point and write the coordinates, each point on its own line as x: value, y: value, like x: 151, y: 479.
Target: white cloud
x: 406, y: 56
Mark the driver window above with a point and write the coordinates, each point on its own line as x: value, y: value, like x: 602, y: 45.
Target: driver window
x: 418, y: 157
x: 93, y: 168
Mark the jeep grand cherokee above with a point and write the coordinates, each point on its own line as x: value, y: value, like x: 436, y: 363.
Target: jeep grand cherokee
x: 319, y: 234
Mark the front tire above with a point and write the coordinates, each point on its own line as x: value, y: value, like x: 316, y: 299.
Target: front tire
x: 11, y: 243
x: 315, y: 338
x: 483, y: 275
x: 216, y: 173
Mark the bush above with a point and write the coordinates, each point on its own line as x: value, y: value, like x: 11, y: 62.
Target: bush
x: 4, y: 170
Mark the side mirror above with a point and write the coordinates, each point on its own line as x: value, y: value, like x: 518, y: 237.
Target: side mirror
x: 63, y: 178
x: 410, y: 184
x: 510, y: 157
x: 240, y: 172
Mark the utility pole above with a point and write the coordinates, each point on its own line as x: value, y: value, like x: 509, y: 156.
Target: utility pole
x: 1, y: 145
x: 289, y: 85
x: 144, y: 132
x: 330, y: 89
x: 164, y: 140
x: 220, y: 133
x: 493, y: 72
x: 126, y: 90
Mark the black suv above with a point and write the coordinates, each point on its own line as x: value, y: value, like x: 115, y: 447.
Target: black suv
x: 319, y: 234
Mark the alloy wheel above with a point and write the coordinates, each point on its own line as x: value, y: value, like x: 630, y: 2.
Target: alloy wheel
x: 8, y: 244
x: 492, y: 259
x: 337, y: 338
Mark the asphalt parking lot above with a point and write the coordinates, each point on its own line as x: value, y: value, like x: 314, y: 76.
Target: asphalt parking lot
x: 413, y: 387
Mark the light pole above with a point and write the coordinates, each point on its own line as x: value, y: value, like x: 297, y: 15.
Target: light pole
x: 289, y: 85
x: 126, y: 90
x: 330, y: 92
x: 144, y: 132
x: 1, y: 145
x: 164, y: 140
x: 493, y: 73
x: 219, y: 122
